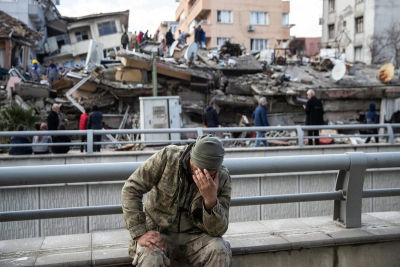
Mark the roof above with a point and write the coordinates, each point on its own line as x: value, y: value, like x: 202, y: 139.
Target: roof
x: 94, y: 16
x: 12, y: 28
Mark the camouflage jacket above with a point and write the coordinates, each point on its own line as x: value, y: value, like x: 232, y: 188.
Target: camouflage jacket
x: 161, y: 175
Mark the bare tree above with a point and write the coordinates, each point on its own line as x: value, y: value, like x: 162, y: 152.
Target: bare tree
x: 383, y: 47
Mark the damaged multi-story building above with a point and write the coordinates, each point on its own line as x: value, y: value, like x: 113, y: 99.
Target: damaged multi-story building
x: 364, y: 31
x: 71, y: 48
x: 261, y: 25
x: 40, y: 16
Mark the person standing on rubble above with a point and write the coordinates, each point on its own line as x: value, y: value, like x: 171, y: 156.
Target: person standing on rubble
x: 187, y: 209
x: 83, y: 126
x: 261, y: 120
x: 146, y: 35
x: 169, y: 38
x: 211, y: 119
x: 140, y: 38
x: 52, y: 72
x: 34, y: 72
x: 314, y: 116
x: 124, y: 40
x: 95, y: 122
x: 155, y: 38
x: 199, y: 35
x: 371, y: 118
x: 133, y: 42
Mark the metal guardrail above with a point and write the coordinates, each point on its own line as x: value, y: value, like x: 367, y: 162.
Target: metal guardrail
x: 200, y: 131
x: 347, y: 196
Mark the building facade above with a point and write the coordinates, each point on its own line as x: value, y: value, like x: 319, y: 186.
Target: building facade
x: 164, y: 28
x: 360, y: 28
x: 255, y: 24
x: 40, y: 15
x: 71, y: 48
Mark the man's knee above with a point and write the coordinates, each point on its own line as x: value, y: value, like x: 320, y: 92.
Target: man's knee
x: 221, y: 249
x: 147, y: 257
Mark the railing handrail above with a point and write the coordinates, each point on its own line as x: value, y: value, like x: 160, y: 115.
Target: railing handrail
x: 347, y: 196
x: 199, y: 131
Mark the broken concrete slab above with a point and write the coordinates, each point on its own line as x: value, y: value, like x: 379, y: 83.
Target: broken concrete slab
x: 62, y: 84
x: 129, y: 75
x: 31, y: 90
x: 20, y: 102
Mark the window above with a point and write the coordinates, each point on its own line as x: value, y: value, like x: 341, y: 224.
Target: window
x: 344, y: 24
x: 359, y: 25
x: 331, y: 31
x: 224, y: 16
x: 107, y: 28
x: 359, y: 1
x: 221, y: 41
x: 259, y: 44
x: 81, y: 36
x: 182, y: 17
x: 358, y: 53
x: 191, y: 25
x: 259, y: 18
x: 331, y: 5
x: 285, y: 20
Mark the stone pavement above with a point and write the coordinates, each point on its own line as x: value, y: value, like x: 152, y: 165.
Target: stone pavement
x: 313, y: 236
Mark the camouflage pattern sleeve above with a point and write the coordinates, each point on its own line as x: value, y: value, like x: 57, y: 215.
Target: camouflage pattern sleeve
x: 139, y: 183
x: 216, y: 222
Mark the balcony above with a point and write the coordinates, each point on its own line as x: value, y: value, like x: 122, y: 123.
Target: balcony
x: 206, y: 26
x: 36, y: 14
x: 199, y: 8
x: 80, y: 48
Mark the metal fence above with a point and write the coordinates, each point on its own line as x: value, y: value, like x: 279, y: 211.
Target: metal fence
x: 299, y: 138
x: 347, y: 196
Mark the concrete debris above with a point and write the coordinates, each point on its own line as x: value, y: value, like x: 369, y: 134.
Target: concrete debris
x: 229, y: 78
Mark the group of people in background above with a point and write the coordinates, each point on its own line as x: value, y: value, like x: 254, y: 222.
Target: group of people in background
x: 91, y: 119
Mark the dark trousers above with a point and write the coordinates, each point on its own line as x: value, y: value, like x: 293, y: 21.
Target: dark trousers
x: 375, y: 131
x: 83, y: 139
x: 124, y: 46
x: 314, y: 133
x: 96, y: 138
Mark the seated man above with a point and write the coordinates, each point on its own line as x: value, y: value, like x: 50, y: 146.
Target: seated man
x: 187, y: 208
x: 20, y: 150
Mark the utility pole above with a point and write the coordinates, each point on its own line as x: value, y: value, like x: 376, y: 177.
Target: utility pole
x: 154, y: 56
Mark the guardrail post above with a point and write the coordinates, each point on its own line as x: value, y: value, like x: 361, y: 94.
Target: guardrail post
x: 390, y: 133
x: 300, y: 136
x: 351, y: 183
x: 199, y: 131
x: 89, y: 142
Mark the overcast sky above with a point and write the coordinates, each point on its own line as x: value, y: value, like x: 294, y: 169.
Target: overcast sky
x: 147, y: 14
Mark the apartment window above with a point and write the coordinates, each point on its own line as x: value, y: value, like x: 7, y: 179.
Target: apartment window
x: 258, y: 44
x: 259, y: 18
x: 331, y: 31
x: 224, y: 16
x: 285, y: 20
x: 359, y: 25
x: 182, y: 16
x: 221, y: 41
x: 107, y: 28
x: 331, y: 5
x: 344, y: 24
x: 358, y: 54
x: 359, y: 1
x: 81, y: 36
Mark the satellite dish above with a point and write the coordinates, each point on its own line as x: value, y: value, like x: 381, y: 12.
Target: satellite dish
x: 172, y: 48
x: 338, y: 71
x: 191, y: 52
x: 386, y: 72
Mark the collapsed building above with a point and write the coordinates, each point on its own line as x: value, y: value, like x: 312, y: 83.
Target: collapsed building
x: 233, y: 83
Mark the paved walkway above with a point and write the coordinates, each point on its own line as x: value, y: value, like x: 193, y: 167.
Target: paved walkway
x: 110, y: 248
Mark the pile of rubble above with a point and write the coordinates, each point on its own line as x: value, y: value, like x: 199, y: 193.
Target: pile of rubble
x: 234, y: 82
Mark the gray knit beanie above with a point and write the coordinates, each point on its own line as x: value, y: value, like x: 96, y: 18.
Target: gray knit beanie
x: 208, y: 153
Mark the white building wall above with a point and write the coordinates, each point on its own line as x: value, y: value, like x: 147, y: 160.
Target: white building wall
x: 346, y: 12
